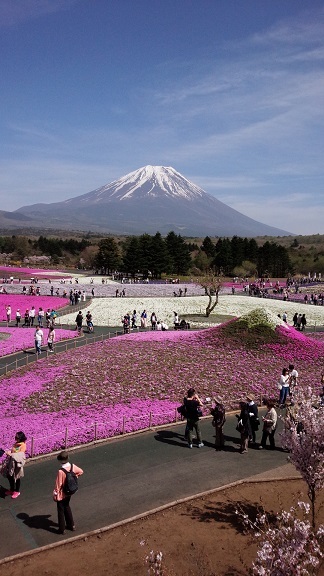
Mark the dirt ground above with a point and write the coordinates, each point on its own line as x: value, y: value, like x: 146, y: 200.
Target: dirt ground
x: 202, y: 537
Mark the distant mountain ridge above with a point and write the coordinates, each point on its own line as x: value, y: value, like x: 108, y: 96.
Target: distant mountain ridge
x: 150, y: 199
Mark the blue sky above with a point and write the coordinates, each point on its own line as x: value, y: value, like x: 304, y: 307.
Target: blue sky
x: 228, y: 92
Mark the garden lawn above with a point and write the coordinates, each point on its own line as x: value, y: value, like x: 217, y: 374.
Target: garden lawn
x: 18, y: 339
x: 129, y: 382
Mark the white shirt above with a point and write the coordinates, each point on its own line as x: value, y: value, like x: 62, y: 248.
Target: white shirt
x: 39, y: 335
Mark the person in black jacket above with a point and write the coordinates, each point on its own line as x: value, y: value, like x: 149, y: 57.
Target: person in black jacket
x: 253, y: 416
x: 192, y: 404
x: 244, y: 426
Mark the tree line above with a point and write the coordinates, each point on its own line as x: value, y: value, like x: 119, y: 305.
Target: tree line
x: 154, y: 255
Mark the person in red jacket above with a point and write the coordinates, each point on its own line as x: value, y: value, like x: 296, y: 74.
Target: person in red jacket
x: 64, y: 512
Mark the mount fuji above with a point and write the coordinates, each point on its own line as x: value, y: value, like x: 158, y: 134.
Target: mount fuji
x: 149, y: 200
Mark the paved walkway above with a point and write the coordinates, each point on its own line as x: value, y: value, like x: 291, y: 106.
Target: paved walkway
x: 125, y: 477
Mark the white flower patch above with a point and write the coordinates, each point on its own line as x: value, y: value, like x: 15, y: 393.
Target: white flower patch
x: 109, y: 311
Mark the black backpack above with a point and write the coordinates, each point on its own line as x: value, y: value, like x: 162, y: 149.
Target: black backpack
x: 71, y: 482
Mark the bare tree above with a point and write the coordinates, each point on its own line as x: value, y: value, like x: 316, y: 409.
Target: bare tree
x: 212, y: 284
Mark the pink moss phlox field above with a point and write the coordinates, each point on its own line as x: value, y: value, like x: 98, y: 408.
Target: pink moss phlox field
x: 23, y: 338
x: 15, y: 271
x: 117, y: 383
x: 22, y: 303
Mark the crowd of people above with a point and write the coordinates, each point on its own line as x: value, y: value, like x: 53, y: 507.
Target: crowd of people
x: 248, y: 419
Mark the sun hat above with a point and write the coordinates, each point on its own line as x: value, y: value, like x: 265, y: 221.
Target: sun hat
x: 250, y: 397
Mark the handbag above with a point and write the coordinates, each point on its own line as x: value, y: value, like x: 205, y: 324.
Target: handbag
x: 240, y: 427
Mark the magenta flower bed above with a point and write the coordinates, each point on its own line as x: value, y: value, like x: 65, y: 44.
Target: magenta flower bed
x: 21, y: 302
x: 119, y: 382
x: 15, y: 272
x: 21, y: 339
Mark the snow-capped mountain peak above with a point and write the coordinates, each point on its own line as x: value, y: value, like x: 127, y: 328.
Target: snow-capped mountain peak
x: 149, y: 182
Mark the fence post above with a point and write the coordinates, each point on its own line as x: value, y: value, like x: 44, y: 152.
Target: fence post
x: 150, y: 422
x: 95, y: 431
x: 16, y: 363
x: 66, y: 438
x: 32, y: 447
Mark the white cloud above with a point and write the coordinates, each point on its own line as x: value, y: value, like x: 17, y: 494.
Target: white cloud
x: 15, y: 12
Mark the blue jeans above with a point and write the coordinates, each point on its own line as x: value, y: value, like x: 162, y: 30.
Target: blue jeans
x: 283, y: 394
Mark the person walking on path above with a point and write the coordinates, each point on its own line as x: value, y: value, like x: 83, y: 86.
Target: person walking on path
x: 8, y: 312
x: 218, y: 414
x: 143, y: 319
x: 18, y: 318
x: 38, y: 340
x: 15, y: 464
x: 78, y: 321
x: 303, y: 322
x: 193, y: 405
x: 244, y: 427
x: 269, y: 426
x: 51, y: 339
x: 64, y: 512
x: 153, y: 320
x: 253, y: 416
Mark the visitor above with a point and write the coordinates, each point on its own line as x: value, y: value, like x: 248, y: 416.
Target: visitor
x: 269, y: 426
x: 176, y: 320
x: 32, y: 314
x: 253, y: 416
x: 89, y: 321
x: 40, y: 317
x: 244, y: 427
x: 134, y: 318
x: 193, y: 405
x: 283, y: 387
x: 26, y: 319
x: 153, y: 320
x: 64, y: 512
x: 18, y: 318
x: 303, y: 322
x: 38, y: 340
x: 8, y: 313
x: 79, y: 321
x: 293, y: 378
x: 143, y: 319
x: 15, y: 464
x: 51, y: 339
x: 218, y: 414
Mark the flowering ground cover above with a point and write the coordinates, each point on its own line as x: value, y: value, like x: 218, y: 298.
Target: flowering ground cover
x: 129, y: 382
x: 17, y: 272
x: 109, y: 311
x: 17, y: 339
x: 22, y: 303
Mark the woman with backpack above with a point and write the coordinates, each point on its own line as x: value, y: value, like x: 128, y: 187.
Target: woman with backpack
x: 65, y: 485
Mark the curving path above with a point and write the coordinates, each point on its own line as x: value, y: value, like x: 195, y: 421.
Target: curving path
x: 125, y: 477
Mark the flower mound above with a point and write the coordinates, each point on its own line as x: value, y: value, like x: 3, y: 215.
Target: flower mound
x: 119, y: 382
